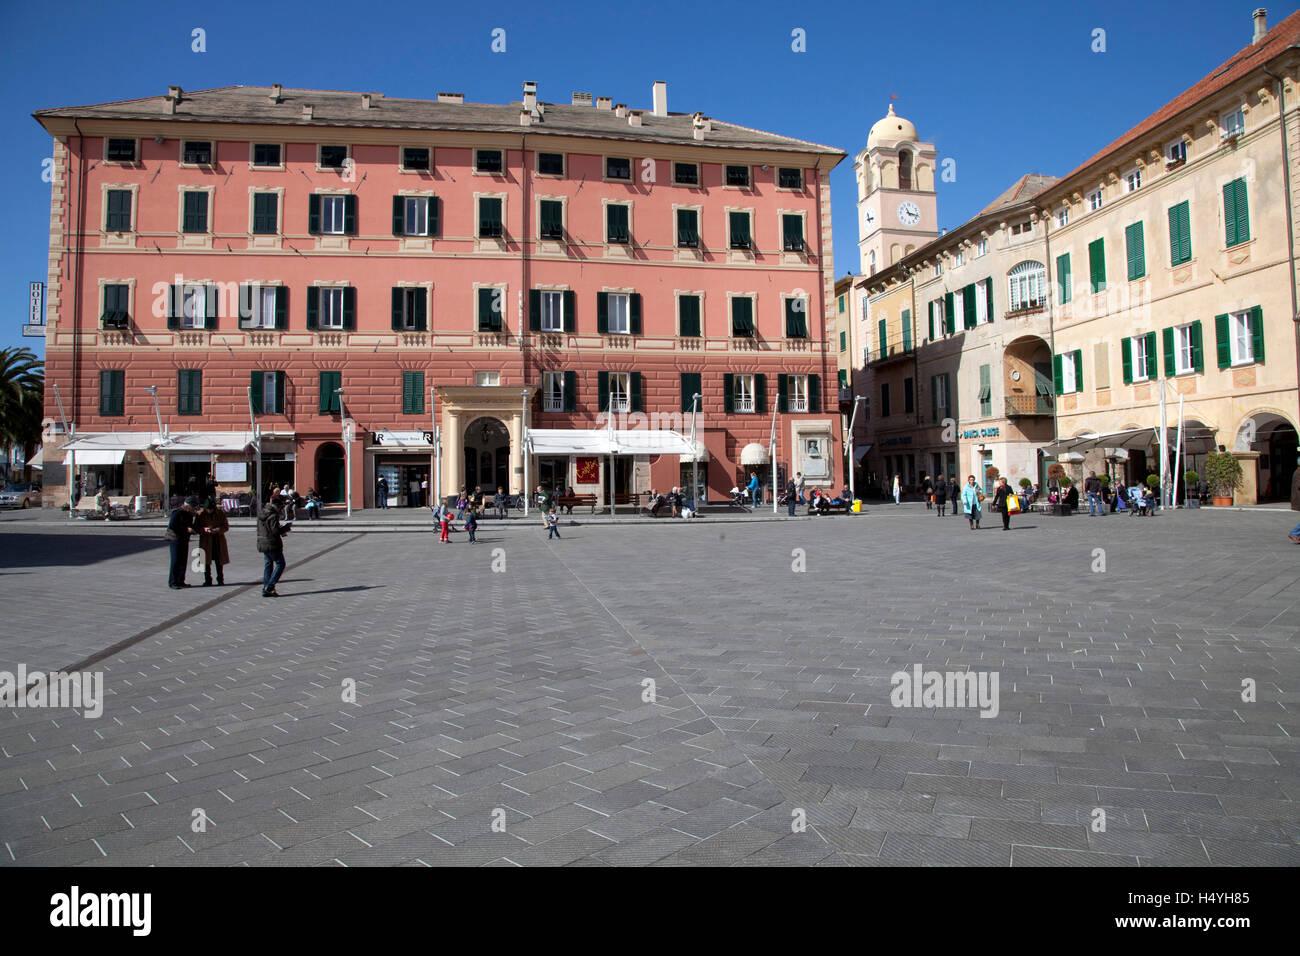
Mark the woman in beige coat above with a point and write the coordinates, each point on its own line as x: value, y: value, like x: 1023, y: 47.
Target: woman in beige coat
x: 213, y: 526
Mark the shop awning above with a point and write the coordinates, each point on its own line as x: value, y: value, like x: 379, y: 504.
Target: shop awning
x: 699, y: 454
x: 651, y: 442
x: 753, y: 454
x: 1130, y: 438
x: 96, y: 456
x: 603, y: 441
x: 860, y: 452
x: 108, y: 448
x: 37, y: 460
x: 194, y: 442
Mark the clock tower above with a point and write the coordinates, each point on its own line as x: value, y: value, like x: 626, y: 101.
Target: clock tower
x: 897, y: 206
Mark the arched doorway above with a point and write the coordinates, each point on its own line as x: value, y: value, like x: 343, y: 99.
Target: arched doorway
x: 329, y: 472
x: 1274, y: 437
x: 487, y: 455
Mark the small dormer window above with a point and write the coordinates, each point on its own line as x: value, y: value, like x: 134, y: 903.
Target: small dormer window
x: 1022, y: 228
x: 959, y: 258
x: 1063, y: 216
x: 1176, y: 153
x: 1133, y: 181
x: 1232, y: 123
x: 981, y: 248
x: 1094, y: 200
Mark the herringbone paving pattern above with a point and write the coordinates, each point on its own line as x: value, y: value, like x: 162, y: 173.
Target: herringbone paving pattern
x: 504, y: 716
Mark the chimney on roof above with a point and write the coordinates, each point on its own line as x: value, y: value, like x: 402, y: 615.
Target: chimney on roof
x: 530, y: 94
x: 660, y: 93
x: 525, y: 117
x: 697, y: 124
x: 620, y: 109
x: 277, y: 93
x: 581, y: 99
x: 634, y: 117
x: 451, y: 97
x: 365, y: 101
x: 604, y: 102
x: 1260, y: 16
x: 174, y: 93
x: 306, y: 111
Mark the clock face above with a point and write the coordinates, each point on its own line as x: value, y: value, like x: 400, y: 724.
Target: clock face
x: 909, y: 214
x: 870, y: 217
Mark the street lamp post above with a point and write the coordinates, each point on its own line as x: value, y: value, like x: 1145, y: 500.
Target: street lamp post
x: 347, y: 451
x: 437, y: 450
x: 167, y: 472
x: 695, y: 458
x: 848, y: 444
x: 523, y: 444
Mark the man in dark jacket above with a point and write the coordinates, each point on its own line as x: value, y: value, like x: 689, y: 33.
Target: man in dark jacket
x: 791, y: 496
x: 1295, y: 502
x: 381, y: 492
x: 270, y: 541
x: 1092, y: 491
x: 927, y: 489
x: 179, y: 528
x: 954, y: 494
x: 940, y: 494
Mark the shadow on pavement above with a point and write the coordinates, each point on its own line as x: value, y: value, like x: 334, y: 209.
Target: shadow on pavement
x: 21, y: 550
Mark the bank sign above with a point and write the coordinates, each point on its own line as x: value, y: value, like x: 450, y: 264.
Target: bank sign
x: 980, y: 433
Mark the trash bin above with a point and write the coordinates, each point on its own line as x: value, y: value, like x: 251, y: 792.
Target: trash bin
x: 141, y: 506
x: 857, y: 506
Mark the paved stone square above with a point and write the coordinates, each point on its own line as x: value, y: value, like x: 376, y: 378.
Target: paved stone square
x: 505, y: 716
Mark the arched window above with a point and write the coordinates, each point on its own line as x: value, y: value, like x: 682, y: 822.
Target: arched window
x: 1027, y: 286
x: 872, y: 260
x: 904, y: 170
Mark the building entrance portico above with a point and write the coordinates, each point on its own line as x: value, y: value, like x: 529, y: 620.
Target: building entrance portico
x: 487, y: 422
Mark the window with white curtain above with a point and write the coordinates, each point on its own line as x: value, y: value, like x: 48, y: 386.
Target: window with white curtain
x: 1027, y: 286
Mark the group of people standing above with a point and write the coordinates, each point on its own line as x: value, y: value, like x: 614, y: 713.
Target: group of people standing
x: 210, y: 523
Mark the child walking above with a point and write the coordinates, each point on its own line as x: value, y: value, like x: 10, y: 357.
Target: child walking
x: 552, y: 525
x: 471, y: 525
x: 444, y: 527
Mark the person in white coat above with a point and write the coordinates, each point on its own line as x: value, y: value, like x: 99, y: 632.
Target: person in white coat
x: 898, y: 494
x: 970, y: 502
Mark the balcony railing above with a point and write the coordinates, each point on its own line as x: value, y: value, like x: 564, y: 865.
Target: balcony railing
x: 1020, y: 406
x: 745, y: 404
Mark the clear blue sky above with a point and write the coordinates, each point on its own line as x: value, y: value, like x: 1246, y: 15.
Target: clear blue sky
x: 1003, y: 88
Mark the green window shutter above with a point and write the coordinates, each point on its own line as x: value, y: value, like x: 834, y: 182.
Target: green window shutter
x: 570, y: 391
x: 742, y: 317
x: 1180, y: 234
x: 435, y: 215
x: 416, y: 388
x: 1198, y: 348
x: 1078, y: 370
x: 988, y: 292
x: 570, y: 311
x: 534, y: 310
x: 349, y: 308
x: 844, y: 341
x: 1167, y: 340
x: 739, y: 222
x: 815, y: 394
x: 407, y: 399
x: 1221, y: 344
x: 796, y: 325
x: 882, y: 331
x: 949, y: 313
x: 689, y: 313
x: 350, y: 215
x: 1257, y: 333
x: 729, y: 393
x: 1126, y: 348
x: 1097, y: 264
x: 602, y: 313
x: 210, y: 301
x: 760, y: 394
x: 690, y: 385
x: 1151, y: 355
x: 843, y: 378
x: 1236, y: 216
x: 792, y: 232
x: 906, y: 321
x: 399, y: 299
x: 282, y: 307
x: 1065, y: 282
x: 421, y: 310
x: 968, y: 306
x: 174, y: 307
x: 634, y: 313
x: 986, y: 390
x: 486, y: 314
x: 934, y: 396
x: 1243, y: 212
x: 1136, y: 246
x: 783, y: 393
x: 313, y: 215
x: 552, y: 218
x: 930, y: 312
x: 399, y: 215
x: 329, y: 381
x: 264, y: 214
x: 279, y: 393
x: 256, y: 384
x: 602, y: 391
x: 313, y: 307
x: 1058, y: 381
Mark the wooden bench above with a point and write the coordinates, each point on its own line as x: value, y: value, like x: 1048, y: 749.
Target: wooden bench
x: 570, y: 501
x: 119, y: 508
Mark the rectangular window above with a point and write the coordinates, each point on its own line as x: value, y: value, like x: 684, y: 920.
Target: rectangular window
x: 333, y: 157
x: 1184, y: 351
x: 1232, y: 123
x: 1097, y: 265
x: 266, y: 154
x: 1133, y: 181
x: 938, y: 269
x: 789, y: 178
x: 330, y: 382
x: 412, y: 393
x: 796, y: 319
x: 1027, y: 287
x: 617, y: 216
x: 1022, y: 228
x: 550, y: 164
x: 959, y: 259
x: 266, y: 214
x: 415, y: 215
x: 688, y: 310
x: 688, y: 229
x: 982, y: 302
x: 797, y: 397
x: 742, y: 317
x: 986, y: 391
x: 686, y: 174
x: 333, y: 215
x: 737, y: 175
x: 1180, y: 233
x: 1135, y: 246
x: 942, y: 402
x: 487, y: 378
x: 409, y: 309
x: 120, y: 151
x: 197, y: 154
x: 112, y: 391
x: 258, y: 306
x: 885, y: 411
x: 792, y: 232
x: 415, y: 158
x: 1243, y: 338
x: 1094, y: 200
x: 551, y: 216
x: 194, y: 307
x: 331, y: 308
x: 1064, y: 279
x: 195, y: 218
x: 552, y: 391
x: 905, y: 319
x: 981, y: 248
x: 116, y: 310
x: 620, y: 391
x: 1063, y: 217
x: 491, y: 305
x: 744, y: 394
x: 117, y: 216
x: 1068, y: 373
x: 1142, y: 358
x: 618, y: 168
x: 909, y: 396
x: 1236, y: 213
x: 1176, y: 153
x: 618, y: 313
x: 552, y: 305
x: 189, y: 391
x: 488, y: 161
x: 268, y: 392
x: 740, y: 233
x: 490, y: 225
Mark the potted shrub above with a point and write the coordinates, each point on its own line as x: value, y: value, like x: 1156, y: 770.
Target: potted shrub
x: 1191, y: 481
x: 1224, y: 476
x: 1025, y: 484
x: 991, y: 473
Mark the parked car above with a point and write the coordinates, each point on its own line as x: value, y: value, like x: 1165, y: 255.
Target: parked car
x: 25, y: 495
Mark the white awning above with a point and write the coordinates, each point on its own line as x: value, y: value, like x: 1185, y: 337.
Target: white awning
x: 651, y: 442
x: 386, y: 438
x: 699, y: 454
x: 753, y: 454
x: 193, y: 442
x: 111, y: 441
x: 37, y: 460
x: 96, y: 456
x: 1130, y: 438
x: 569, y: 441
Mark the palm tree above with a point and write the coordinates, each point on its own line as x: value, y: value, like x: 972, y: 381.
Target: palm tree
x: 22, y: 397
